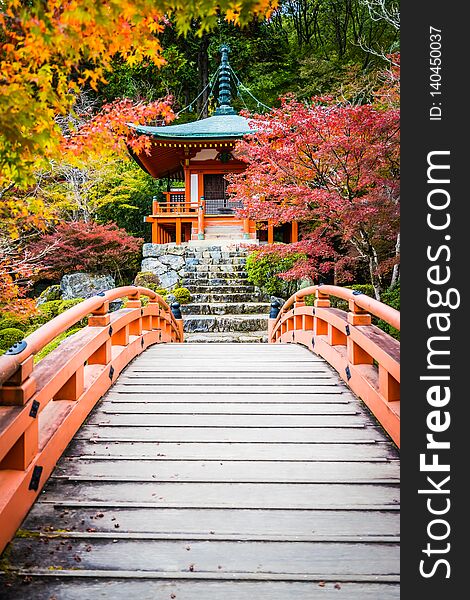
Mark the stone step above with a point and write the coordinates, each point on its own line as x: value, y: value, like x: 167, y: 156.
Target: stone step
x: 202, y: 260
x: 225, y: 323
x: 219, y: 254
x: 232, y: 298
x: 213, y: 281
x: 209, y: 268
x: 216, y: 273
x: 239, y: 288
x: 255, y: 337
x: 225, y: 308
x: 223, y: 232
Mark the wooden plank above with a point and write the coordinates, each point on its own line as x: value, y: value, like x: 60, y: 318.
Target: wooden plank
x: 333, y: 394
x: 228, y: 471
x: 227, y: 495
x: 233, y: 408
x: 301, y: 435
x: 239, y: 375
x: 206, y: 388
x: 75, y: 586
x: 232, y: 451
x: 168, y: 367
x: 133, y: 420
x: 300, y: 559
x: 247, y: 524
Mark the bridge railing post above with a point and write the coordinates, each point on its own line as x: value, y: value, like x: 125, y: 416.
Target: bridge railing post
x: 176, y: 311
x: 134, y: 301
x: 17, y: 391
x: 322, y: 300
x: 299, y: 320
x: 356, y: 354
x: 101, y: 318
x: 273, y: 314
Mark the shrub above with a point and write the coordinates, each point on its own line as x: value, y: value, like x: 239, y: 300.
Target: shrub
x: 391, y: 296
x: 49, y: 310
x: 263, y: 272
x: 148, y: 280
x: 66, y: 304
x: 182, y: 295
x: 10, y: 336
x: 90, y: 248
x: 161, y: 292
x: 9, y: 321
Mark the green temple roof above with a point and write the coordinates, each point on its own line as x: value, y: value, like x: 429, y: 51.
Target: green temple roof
x: 216, y: 127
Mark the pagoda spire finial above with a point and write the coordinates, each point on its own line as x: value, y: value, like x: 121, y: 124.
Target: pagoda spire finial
x: 225, y: 91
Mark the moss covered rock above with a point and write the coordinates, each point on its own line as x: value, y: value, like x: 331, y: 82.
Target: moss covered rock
x: 147, y: 279
x: 50, y: 293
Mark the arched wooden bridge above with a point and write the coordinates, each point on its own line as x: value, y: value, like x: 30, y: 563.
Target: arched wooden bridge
x: 209, y: 471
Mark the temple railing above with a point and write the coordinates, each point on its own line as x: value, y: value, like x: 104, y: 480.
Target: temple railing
x: 42, y: 405
x: 365, y: 357
x: 175, y: 203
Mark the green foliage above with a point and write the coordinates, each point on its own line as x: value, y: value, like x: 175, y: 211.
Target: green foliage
x: 9, y: 321
x: 182, y: 295
x: 66, y: 304
x: 123, y: 195
x: 392, y: 298
x: 147, y: 279
x: 49, y: 310
x: 307, y: 47
x: 263, y: 272
x: 161, y: 292
x: 10, y: 336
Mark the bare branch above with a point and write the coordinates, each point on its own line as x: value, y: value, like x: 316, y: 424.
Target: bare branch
x: 383, y: 10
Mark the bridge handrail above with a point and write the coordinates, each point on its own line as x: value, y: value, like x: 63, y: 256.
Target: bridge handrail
x: 366, y: 357
x: 42, y: 336
x: 42, y: 405
x: 374, y: 307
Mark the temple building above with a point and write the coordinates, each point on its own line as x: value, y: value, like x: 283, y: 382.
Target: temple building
x: 201, y: 154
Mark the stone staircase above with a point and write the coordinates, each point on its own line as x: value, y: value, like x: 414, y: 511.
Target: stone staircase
x: 225, y: 307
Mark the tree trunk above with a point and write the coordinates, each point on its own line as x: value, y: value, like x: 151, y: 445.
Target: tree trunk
x: 396, y: 267
x: 203, y: 71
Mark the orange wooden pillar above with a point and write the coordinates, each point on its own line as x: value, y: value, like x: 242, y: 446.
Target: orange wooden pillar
x: 156, y: 235
x: 356, y: 354
x: 200, y: 218
x: 246, y: 229
x: 270, y: 232
x: 295, y: 232
x: 178, y: 231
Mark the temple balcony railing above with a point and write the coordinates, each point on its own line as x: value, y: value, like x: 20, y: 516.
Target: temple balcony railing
x: 175, y: 203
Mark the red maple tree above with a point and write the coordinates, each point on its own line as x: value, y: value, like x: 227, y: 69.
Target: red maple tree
x: 334, y: 168
x: 88, y: 247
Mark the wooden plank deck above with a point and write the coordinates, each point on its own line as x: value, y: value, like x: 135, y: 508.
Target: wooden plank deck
x: 218, y: 471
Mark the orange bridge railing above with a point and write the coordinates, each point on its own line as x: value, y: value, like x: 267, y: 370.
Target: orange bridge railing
x: 366, y: 358
x: 43, y: 405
